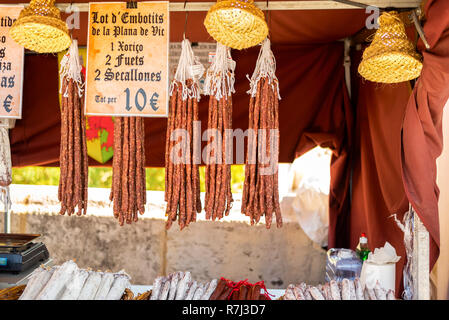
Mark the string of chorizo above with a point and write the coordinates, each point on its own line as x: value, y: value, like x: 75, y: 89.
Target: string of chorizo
x: 182, y: 192
x: 128, y: 191
x: 73, y: 181
x: 219, y: 86
x: 260, y: 189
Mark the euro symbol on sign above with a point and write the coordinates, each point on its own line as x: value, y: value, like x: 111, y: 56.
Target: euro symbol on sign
x: 7, y: 103
x: 153, y: 101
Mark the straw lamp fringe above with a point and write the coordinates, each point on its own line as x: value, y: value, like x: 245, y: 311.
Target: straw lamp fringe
x: 236, y: 24
x: 39, y: 28
x: 391, y: 57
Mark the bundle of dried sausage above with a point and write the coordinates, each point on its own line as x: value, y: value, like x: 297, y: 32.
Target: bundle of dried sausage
x: 180, y: 286
x: 219, y: 85
x: 128, y: 191
x: 182, y: 178
x: 242, y: 290
x: 73, y: 181
x: 260, y: 190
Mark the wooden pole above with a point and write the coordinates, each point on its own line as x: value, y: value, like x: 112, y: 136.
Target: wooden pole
x: 273, y: 5
x: 421, y: 272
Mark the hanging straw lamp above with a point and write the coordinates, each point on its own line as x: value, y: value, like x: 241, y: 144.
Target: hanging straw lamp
x: 39, y: 28
x: 391, y: 57
x: 236, y: 24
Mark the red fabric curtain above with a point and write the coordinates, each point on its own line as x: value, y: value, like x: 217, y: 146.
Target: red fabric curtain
x: 398, y: 137
x: 35, y: 138
x: 422, y: 135
x: 377, y: 188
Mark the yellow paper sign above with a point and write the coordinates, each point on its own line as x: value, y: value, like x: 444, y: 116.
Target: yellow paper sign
x: 11, y: 66
x: 127, y: 59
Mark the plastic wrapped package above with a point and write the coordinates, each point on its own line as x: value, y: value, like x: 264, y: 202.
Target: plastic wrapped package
x: 75, y: 286
x: 121, y: 282
x: 68, y: 282
x: 341, y: 264
x: 105, y: 285
x: 91, y: 285
x: 37, y: 282
x: 55, y: 287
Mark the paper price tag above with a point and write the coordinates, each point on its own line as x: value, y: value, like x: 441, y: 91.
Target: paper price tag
x: 127, y: 59
x: 11, y: 66
x: 211, y: 57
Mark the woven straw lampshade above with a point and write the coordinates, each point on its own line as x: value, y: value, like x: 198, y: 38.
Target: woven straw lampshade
x: 391, y: 57
x: 236, y: 24
x: 40, y: 28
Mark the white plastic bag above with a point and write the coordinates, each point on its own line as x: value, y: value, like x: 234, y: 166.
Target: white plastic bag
x: 310, y: 176
x: 312, y: 208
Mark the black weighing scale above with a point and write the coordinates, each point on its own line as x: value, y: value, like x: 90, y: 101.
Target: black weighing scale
x: 18, y: 253
x: 19, y: 256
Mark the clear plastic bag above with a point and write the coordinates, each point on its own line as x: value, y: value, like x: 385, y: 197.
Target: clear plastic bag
x: 341, y: 264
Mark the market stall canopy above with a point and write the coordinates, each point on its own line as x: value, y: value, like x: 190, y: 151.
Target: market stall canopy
x: 286, y: 27
x: 393, y: 144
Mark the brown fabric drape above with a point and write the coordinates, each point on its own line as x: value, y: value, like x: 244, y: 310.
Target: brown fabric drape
x: 398, y: 137
x: 36, y: 137
x: 327, y: 123
x: 377, y: 188
x: 422, y: 136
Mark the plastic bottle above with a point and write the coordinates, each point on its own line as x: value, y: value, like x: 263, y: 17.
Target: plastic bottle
x: 362, y: 248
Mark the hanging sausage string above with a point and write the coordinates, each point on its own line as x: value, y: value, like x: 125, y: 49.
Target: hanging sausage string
x: 73, y: 181
x: 128, y: 191
x: 219, y: 85
x: 260, y: 190
x: 182, y: 159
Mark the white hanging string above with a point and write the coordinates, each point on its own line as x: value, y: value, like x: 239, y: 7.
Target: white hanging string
x: 189, y: 67
x: 265, y: 68
x: 220, y: 76
x: 71, y: 69
x: 407, y: 226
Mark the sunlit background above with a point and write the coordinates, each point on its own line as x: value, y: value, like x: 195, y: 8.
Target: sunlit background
x: 314, y: 163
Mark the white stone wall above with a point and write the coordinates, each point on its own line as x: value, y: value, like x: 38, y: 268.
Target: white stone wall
x: 230, y: 248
